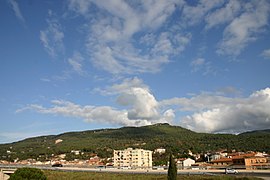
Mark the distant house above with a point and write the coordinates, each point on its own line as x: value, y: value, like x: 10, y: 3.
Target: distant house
x: 62, y: 156
x: 76, y: 152
x: 184, y: 163
x: 222, y: 162
x: 215, y: 156
x: 160, y: 150
x: 58, y: 141
x: 95, y: 161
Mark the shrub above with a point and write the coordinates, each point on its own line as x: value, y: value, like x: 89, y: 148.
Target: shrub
x: 28, y: 174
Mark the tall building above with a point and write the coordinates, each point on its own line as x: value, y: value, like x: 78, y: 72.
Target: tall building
x: 132, y: 158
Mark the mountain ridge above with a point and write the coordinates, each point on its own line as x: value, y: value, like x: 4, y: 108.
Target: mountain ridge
x: 103, y: 141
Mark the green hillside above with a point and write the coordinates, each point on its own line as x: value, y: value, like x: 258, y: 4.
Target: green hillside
x: 104, y: 141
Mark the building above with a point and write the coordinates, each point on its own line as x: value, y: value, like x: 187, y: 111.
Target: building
x: 255, y: 162
x: 132, y: 158
x: 222, y: 162
x: 184, y: 163
x: 95, y: 161
x: 160, y: 150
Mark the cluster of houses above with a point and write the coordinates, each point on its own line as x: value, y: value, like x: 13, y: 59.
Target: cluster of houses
x: 249, y: 160
x: 133, y: 158
x: 140, y: 158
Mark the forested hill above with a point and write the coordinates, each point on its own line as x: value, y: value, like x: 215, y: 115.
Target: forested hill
x: 104, y: 141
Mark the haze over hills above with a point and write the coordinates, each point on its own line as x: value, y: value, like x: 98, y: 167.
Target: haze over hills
x: 103, y: 141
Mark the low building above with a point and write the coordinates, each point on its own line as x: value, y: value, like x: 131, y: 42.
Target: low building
x: 58, y: 141
x: 132, y: 158
x: 255, y: 162
x: 160, y: 150
x: 95, y: 161
x: 184, y: 163
x: 76, y: 152
x: 222, y: 162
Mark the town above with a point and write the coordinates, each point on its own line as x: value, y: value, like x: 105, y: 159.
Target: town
x: 143, y: 159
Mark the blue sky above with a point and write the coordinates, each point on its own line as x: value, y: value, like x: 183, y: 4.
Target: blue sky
x: 83, y: 64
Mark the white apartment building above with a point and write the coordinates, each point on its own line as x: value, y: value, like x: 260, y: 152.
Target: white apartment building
x: 132, y: 158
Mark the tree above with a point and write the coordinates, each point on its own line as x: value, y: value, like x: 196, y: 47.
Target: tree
x: 172, y: 171
x: 28, y: 174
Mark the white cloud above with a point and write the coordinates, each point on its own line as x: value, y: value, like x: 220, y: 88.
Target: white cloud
x: 266, y: 54
x: 124, y: 86
x: 245, y: 28
x: 111, y: 44
x: 52, y: 37
x: 200, y: 64
x: 244, y: 21
x: 194, y: 14
x: 142, y: 107
x: 229, y: 90
x: 76, y: 62
x: 143, y: 104
x: 212, y: 113
x: 79, y: 6
x: 223, y: 15
x: 206, y: 112
x: 133, y: 93
x: 17, y: 11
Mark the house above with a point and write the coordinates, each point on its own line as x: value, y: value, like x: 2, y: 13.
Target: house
x: 160, y: 150
x: 250, y: 160
x: 95, y: 161
x: 240, y: 158
x: 58, y: 141
x: 132, y: 158
x: 255, y: 162
x: 62, y: 156
x: 184, y: 163
x: 222, y: 162
x: 76, y: 152
x: 215, y: 156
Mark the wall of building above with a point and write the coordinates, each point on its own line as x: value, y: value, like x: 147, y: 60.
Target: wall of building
x: 132, y: 158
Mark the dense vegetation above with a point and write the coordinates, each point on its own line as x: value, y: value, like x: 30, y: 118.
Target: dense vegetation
x: 102, y: 142
x: 28, y: 174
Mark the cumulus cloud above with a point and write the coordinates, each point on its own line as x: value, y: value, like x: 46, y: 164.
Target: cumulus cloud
x: 206, y: 112
x: 245, y: 29
x: 17, y: 11
x: 212, y: 113
x: 141, y: 107
x: 52, y: 37
x: 135, y: 94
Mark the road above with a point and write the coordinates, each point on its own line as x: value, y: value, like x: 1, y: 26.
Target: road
x: 255, y: 173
